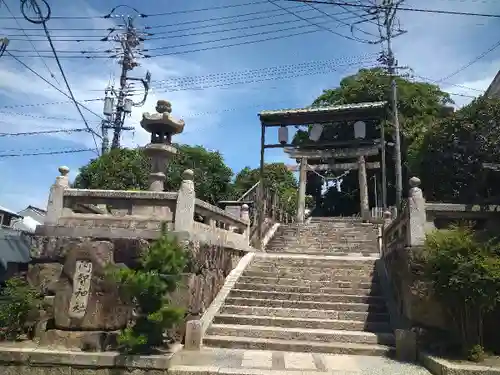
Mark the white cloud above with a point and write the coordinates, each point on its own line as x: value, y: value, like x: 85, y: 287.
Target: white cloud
x: 88, y: 79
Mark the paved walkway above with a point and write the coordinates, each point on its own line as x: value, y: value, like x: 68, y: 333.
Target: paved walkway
x: 232, y: 361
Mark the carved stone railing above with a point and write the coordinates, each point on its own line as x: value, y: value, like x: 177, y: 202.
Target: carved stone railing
x: 141, y: 214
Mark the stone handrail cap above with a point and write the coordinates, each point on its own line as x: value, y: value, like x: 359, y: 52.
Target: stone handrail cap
x: 188, y: 174
x: 415, y: 181
x: 245, y: 207
x: 63, y: 170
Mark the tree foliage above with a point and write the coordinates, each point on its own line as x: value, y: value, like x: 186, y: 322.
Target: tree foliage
x: 451, y: 156
x: 465, y: 275
x: 18, y: 302
x: 276, y: 176
x: 148, y: 289
x: 125, y: 169
x: 420, y: 104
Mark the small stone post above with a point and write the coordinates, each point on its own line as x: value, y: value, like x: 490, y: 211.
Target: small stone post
x: 245, y: 215
x: 363, y: 189
x: 186, y: 200
x: 416, y: 206
x: 55, y: 203
x: 301, y: 204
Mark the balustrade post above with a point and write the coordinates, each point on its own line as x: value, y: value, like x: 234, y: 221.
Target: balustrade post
x: 186, y: 200
x: 245, y: 215
x: 415, y: 234
x: 55, y: 204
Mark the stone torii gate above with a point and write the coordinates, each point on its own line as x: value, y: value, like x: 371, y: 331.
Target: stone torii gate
x: 360, y: 153
x: 328, y: 151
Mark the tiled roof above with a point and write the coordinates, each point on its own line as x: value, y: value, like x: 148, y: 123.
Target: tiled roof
x: 336, y: 108
x: 4, y: 209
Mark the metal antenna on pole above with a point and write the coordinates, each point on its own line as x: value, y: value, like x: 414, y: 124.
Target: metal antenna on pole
x: 117, y: 104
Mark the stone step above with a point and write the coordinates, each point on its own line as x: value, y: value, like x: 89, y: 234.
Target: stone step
x: 333, y: 245
x: 318, y: 252
x: 337, y: 283
x: 318, y: 238
x: 305, y: 313
x: 308, y: 289
x: 312, y: 261
x: 216, y: 370
x: 231, y: 342
x: 320, y: 297
x: 313, y: 269
x: 309, y: 305
x: 312, y: 274
x: 304, y: 334
x: 301, y: 322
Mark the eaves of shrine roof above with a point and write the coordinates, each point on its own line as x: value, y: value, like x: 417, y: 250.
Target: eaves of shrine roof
x: 322, y: 114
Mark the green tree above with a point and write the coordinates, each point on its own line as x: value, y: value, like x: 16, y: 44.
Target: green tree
x: 420, y: 104
x: 119, y: 169
x: 19, y: 302
x: 465, y: 276
x: 148, y: 289
x: 453, y: 151
x: 126, y: 169
x: 276, y: 176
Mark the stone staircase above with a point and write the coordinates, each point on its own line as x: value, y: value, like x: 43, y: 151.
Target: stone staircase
x: 326, y: 236
x: 309, y: 295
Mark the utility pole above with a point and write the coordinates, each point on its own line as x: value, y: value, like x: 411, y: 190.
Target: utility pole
x: 117, y: 104
x: 389, y: 8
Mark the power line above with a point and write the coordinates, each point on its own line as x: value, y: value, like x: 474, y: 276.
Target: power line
x: 472, y: 62
x: 41, y: 19
x: 56, y: 152
x: 41, y: 132
x: 30, y: 41
x: 143, y: 15
x: 205, y: 42
x: 153, y: 37
x: 381, y: 7
x: 55, y: 87
x: 48, y: 103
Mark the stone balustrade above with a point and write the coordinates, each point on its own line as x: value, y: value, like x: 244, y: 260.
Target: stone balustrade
x: 419, y: 217
x: 141, y: 214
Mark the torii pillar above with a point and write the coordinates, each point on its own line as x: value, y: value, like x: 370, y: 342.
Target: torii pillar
x: 301, y: 203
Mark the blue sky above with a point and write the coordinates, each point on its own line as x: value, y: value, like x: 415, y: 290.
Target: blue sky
x: 224, y: 119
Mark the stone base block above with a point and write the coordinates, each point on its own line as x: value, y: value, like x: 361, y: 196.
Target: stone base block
x: 194, y: 335
x: 91, y: 341
x: 406, y: 345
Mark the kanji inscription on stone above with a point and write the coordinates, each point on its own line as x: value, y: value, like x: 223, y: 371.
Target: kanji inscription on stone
x: 81, y: 289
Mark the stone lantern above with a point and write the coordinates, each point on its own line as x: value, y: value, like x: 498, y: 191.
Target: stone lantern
x: 162, y: 127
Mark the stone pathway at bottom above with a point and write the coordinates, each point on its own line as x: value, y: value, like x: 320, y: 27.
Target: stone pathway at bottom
x: 210, y: 361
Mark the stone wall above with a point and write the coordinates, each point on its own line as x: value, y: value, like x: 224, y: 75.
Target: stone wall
x: 53, y: 269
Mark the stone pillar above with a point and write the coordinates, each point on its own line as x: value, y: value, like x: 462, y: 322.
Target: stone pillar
x: 363, y: 189
x: 55, y: 203
x: 406, y: 345
x: 159, y: 154
x: 301, y: 199
x: 416, y: 207
x: 186, y: 200
x: 245, y: 215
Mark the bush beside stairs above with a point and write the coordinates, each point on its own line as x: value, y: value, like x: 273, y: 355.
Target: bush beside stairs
x: 314, y: 290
